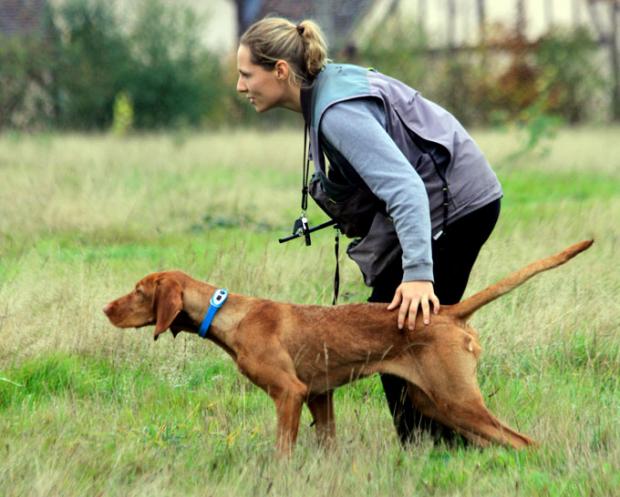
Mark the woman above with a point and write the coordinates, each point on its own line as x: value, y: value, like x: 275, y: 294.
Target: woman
x: 404, y: 177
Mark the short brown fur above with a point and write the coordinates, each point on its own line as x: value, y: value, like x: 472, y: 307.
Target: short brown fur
x: 299, y: 353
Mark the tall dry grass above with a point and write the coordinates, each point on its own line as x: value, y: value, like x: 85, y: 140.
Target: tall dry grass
x: 87, y: 409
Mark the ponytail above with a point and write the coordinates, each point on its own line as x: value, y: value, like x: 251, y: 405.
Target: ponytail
x: 302, y: 46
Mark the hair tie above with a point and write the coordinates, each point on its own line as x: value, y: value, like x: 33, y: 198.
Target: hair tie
x: 300, y: 29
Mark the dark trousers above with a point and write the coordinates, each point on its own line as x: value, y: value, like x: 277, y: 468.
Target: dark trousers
x: 454, y: 254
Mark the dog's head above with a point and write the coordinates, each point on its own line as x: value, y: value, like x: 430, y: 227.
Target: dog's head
x: 156, y: 299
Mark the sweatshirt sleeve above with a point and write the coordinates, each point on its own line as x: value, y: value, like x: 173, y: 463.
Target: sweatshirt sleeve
x: 356, y: 128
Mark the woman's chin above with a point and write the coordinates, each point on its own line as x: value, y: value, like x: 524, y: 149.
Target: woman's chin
x: 260, y: 110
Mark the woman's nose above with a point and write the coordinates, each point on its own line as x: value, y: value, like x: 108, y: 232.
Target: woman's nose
x: 241, y: 87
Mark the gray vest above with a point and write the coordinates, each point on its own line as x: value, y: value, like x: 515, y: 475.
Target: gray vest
x: 414, y: 123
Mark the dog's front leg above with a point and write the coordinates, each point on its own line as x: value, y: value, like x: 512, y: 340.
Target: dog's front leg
x: 322, y: 409
x: 276, y: 375
x: 289, y: 402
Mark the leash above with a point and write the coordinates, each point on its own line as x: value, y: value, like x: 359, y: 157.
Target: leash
x: 301, y: 226
x: 297, y: 234
x: 337, y: 272
x: 217, y: 301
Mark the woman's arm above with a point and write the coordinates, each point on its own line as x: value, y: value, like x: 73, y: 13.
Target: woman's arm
x: 356, y: 129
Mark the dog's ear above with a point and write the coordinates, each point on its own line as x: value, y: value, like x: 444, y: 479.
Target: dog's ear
x: 168, y: 303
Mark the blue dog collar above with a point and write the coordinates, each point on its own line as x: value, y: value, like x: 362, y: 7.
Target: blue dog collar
x: 217, y: 301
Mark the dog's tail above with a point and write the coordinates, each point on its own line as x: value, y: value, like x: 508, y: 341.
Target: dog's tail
x: 467, y: 307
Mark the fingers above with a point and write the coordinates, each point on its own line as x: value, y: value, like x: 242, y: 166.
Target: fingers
x: 436, y: 305
x: 425, y: 302
x: 395, y: 300
x: 426, y: 311
x: 407, y: 306
x: 426, y: 314
x: 410, y: 296
x: 404, y: 307
x: 404, y: 304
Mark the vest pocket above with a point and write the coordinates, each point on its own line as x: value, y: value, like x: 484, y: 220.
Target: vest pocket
x: 353, y: 211
x: 362, y: 216
x: 378, y: 250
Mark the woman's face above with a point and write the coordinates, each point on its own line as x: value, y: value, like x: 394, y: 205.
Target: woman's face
x: 264, y: 88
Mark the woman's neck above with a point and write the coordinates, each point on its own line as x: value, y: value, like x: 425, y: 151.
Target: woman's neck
x: 292, y: 99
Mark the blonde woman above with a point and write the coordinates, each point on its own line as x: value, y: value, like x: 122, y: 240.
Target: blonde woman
x: 405, y: 179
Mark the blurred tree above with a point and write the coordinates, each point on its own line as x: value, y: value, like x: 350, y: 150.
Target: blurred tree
x: 93, y: 57
x: 164, y: 81
x: 608, y: 37
x: 481, y: 12
x: 27, y: 57
x: 521, y: 18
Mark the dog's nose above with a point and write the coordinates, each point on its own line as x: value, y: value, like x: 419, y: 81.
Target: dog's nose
x: 107, y: 308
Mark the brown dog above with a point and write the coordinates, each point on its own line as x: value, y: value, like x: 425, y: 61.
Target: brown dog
x: 300, y: 353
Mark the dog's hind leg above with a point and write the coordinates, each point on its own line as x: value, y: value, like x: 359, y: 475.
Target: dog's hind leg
x: 424, y: 404
x: 429, y: 408
x: 453, y: 397
x: 322, y: 409
x: 472, y: 415
x: 446, y: 375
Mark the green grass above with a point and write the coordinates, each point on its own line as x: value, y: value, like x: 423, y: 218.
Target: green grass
x: 86, y: 409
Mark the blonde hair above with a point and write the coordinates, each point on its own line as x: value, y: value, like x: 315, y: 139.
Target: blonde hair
x: 302, y: 46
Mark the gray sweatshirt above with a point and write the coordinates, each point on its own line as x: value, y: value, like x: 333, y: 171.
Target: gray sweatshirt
x: 383, y: 136
x: 368, y: 151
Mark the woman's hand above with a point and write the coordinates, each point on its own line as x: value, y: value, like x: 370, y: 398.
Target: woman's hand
x: 410, y: 295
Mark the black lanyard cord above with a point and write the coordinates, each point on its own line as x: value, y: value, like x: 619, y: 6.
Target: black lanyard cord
x: 305, y: 170
x: 337, y: 272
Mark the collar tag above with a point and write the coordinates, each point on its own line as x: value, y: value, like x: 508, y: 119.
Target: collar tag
x: 216, y: 302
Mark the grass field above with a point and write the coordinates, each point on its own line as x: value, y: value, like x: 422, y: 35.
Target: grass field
x: 86, y: 409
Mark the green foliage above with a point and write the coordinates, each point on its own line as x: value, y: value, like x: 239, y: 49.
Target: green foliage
x: 557, y: 76
x: 537, y: 129
x: 570, y: 74
x: 170, y: 71
x: 24, y: 81
x: 123, y: 114
x: 93, y: 59
x: 89, y: 57
x: 396, y: 50
x: 94, y: 70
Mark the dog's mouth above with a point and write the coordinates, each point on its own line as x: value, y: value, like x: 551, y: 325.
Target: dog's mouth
x: 138, y: 326
x: 182, y: 322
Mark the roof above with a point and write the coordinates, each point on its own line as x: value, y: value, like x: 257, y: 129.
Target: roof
x: 337, y: 19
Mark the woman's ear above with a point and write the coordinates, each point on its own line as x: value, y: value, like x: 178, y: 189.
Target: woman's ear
x: 282, y: 70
